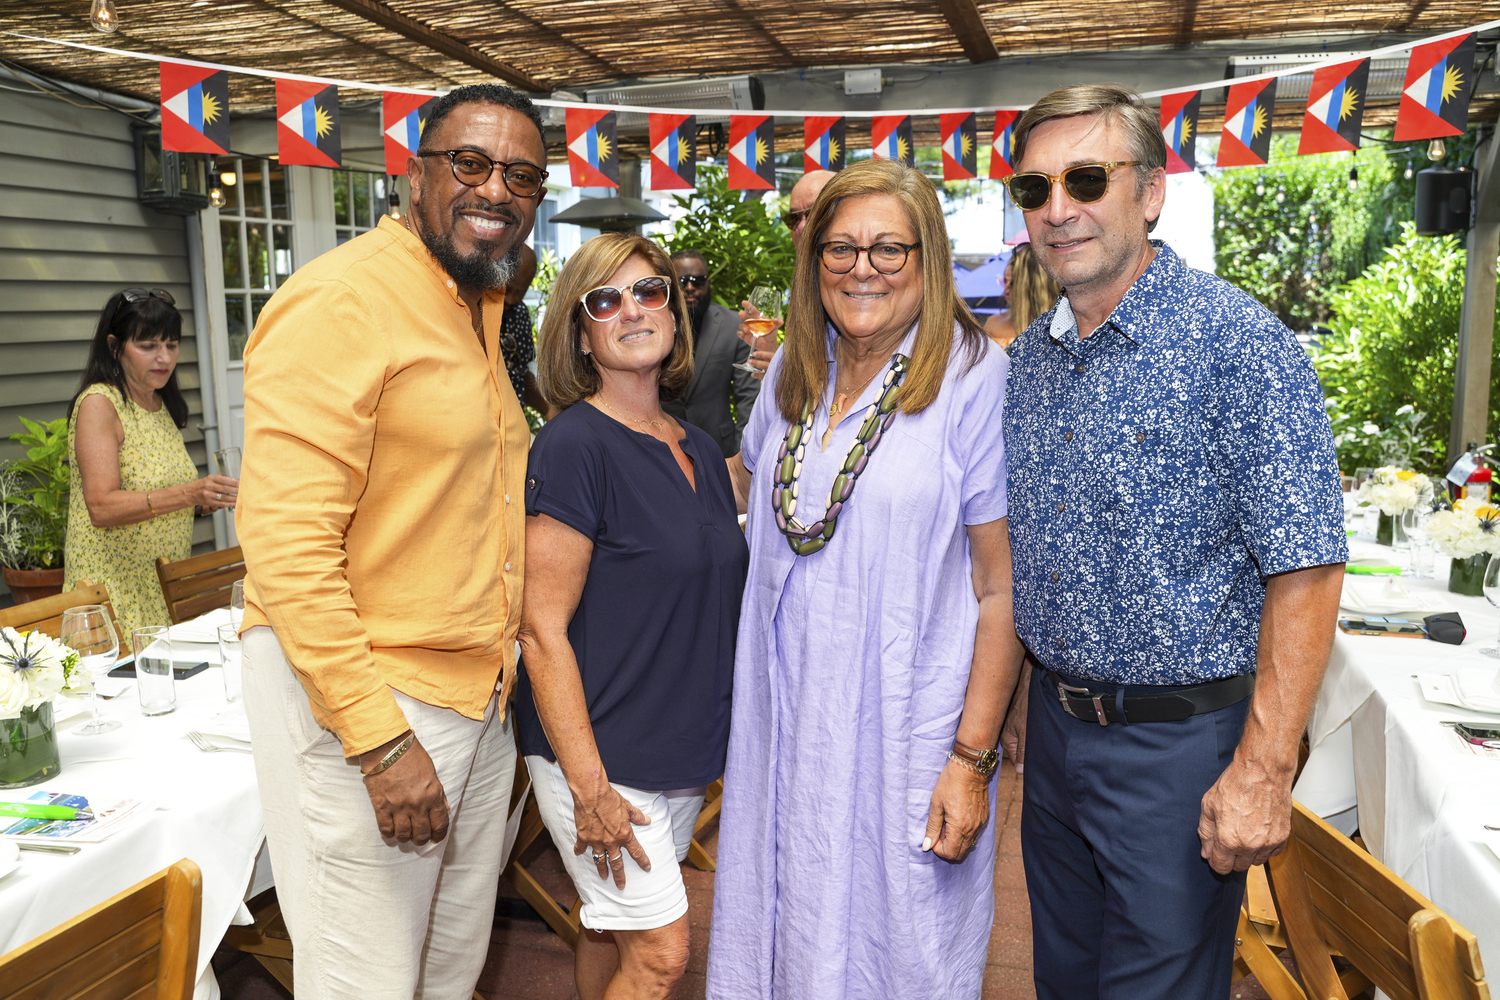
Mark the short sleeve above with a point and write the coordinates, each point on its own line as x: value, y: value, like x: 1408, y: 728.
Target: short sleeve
x: 979, y: 441
x: 565, y: 474
x: 1273, y: 451
x: 762, y: 416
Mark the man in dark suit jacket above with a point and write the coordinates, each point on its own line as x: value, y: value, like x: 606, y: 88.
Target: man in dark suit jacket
x: 716, y: 348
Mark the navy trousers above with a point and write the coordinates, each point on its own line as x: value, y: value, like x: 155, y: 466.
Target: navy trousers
x: 1122, y: 905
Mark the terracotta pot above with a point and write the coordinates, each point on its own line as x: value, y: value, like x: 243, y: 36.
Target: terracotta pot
x: 33, y: 584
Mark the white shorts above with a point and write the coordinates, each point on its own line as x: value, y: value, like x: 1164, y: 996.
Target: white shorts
x: 650, y: 899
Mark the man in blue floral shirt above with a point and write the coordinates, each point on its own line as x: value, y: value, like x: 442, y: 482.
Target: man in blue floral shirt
x: 1178, y: 543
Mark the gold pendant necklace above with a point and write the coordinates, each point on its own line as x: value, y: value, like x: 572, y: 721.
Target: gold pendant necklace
x: 839, y: 402
x: 624, y: 419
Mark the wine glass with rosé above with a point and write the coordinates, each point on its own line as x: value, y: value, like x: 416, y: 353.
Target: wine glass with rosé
x: 766, y: 302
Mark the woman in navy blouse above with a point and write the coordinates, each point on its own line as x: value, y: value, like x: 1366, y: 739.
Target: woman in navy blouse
x: 634, y: 569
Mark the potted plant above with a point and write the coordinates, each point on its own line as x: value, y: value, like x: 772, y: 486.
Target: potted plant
x: 34, y: 511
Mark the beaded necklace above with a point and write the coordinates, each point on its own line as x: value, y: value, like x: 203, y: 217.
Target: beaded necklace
x: 805, y: 540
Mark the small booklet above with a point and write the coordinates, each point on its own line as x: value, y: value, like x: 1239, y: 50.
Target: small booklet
x: 79, y: 831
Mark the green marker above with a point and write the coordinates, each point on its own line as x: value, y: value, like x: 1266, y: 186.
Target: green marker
x: 31, y: 810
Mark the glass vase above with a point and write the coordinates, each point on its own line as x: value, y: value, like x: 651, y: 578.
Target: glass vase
x: 28, y: 748
x: 1466, y: 576
x: 1385, y: 533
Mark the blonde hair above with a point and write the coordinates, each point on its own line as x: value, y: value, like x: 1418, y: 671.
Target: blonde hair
x: 1139, y: 123
x: 1032, y: 290
x: 564, y: 373
x: 804, y: 373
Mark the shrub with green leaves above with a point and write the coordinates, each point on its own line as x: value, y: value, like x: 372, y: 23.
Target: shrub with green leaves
x: 36, y: 491
x: 743, y: 242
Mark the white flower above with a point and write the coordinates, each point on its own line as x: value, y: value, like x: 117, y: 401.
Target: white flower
x: 13, y: 693
x: 1370, y: 428
x: 1462, y: 533
x: 36, y: 661
x: 1393, y: 490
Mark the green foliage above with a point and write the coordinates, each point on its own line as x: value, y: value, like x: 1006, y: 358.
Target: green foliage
x: 37, y: 520
x: 744, y: 242
x: 1392, y: 354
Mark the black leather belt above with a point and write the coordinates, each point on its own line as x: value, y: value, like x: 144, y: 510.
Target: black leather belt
x: 1105, y: 703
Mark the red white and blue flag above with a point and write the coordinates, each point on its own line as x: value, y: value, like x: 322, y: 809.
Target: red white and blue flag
x: 1439, y: 80
x: 752, y: 152
x: 890, y: 139
x: 823, y: 143
x: 307, y: 124
x: 1179, y: 127
x: 674, y: 152
x: 960, y: 145
x: 1003, y: 145
x: 194, y: 109
x: 1335, y: 108
x: 593, y: 152
x: 402, y: 118
x: 1246, y: 139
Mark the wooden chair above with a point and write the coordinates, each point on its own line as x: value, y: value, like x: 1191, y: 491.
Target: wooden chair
x: 564, y: 922
x: 266, y: 939
x: 199, y: 583
x: 1334, y: 899
x: 45, y: 615
x: 141, y: 944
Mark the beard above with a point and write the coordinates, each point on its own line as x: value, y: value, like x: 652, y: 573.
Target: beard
x: 696, y: 314
x: 484, y: 268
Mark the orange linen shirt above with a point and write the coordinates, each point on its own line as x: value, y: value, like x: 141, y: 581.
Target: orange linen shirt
x: 382, y: 503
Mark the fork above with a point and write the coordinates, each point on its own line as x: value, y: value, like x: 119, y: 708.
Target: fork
x: 208, y: 746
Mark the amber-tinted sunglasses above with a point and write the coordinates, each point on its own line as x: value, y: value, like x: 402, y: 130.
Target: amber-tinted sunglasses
x: 1085, y: 183
x: 605, y: 302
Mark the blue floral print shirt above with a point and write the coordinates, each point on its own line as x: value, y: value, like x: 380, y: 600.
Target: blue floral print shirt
x: 1160, y: 470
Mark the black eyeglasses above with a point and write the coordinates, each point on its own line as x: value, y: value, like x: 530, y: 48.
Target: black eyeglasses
x: 1085, y: 184
x: 605, y: 302
x: 887, y: 258
x: 794, y: 219
x: 692, y: 280
x: 472, y: 169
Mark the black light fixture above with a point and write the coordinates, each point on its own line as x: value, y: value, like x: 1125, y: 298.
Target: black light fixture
x: 172, y: 183
x: 1353, y: 179
x: 615, y: 214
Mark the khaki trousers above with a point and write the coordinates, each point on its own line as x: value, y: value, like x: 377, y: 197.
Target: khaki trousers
x: 371, y: 919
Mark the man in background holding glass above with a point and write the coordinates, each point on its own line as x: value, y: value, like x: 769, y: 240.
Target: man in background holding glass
x: 717, y: 356
x: 383, y: 531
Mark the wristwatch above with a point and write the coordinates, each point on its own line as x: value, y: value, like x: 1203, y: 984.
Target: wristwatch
x: 981, y: 762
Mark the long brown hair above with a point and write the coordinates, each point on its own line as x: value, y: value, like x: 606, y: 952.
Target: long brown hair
x: 804, y: 373
x: 564, y: 373
x: 1032, y: 290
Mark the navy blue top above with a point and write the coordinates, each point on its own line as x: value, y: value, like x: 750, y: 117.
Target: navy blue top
x: 1160, y: 470
x: 655, y: 627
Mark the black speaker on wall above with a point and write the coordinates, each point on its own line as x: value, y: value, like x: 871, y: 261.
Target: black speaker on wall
x: 1443, y: 200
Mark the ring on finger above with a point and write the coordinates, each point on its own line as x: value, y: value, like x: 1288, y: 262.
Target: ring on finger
x: 600, y: 857
x: 617, y: 857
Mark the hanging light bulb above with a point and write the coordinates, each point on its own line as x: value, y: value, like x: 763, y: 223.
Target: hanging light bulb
x: 216, y: 197
x: 1407, y: 175
x: 1280, y: 195
x: 395, y: 212
x: 1353, y: 178
x: 1437, y: 149
x: 104, y: 17
x: 1260, y: 187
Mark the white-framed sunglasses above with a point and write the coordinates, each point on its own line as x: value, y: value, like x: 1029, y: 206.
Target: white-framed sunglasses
x: 605, y: 302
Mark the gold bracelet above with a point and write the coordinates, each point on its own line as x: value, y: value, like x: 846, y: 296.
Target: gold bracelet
x: 149, y: 505
x: 396, y: 753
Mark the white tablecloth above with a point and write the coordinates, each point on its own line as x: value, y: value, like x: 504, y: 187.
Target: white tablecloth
x: 207, y: 809
x: 1423, y: 800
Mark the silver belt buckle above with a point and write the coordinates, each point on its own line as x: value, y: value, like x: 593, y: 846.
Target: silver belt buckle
x: 1062, y: 695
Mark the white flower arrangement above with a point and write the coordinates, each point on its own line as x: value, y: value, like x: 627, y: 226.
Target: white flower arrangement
x: 1393, y: 490
x: 1463, y: 532
x: 33, y: 668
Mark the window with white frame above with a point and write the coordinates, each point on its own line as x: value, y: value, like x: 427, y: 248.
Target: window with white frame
x: 544, y: 230
x: 255, y: 231
x: 359, y: 200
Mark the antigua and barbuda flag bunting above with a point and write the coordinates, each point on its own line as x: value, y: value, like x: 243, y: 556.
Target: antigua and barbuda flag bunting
x: 1335, y: 108
x: 960, y: 133
x: 593, y: 152
x: 1246, y: 139
x: 1179, y: 126
x: 674, y: 152
x: 307, y: 124
x: 1003, y: 145
x: 890, y: 139
x: 194, y: 109
x: 823, y: 143
x: 1439, y: 80
x: 752, y: 152
x: 402, y: 118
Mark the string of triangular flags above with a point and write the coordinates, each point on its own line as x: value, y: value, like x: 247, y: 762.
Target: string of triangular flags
x: 1434, y: 105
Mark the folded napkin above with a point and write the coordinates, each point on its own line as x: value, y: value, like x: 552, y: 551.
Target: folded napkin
x: 204, y: 628
x: 1463, y: 689
x: 229, y: 725
x: 1383, y: 595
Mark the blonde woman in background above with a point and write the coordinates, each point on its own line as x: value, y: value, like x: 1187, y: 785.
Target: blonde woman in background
x: 1029, y: 290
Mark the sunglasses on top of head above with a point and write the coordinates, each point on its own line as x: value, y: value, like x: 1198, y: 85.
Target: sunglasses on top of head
x: 1085, y: 184
x: 605, y: 302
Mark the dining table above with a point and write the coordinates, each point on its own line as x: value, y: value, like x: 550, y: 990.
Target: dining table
x: 1388, y: 763
x: 198, y: 804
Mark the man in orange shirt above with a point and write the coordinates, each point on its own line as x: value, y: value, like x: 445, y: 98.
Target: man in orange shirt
x: 384, y: 446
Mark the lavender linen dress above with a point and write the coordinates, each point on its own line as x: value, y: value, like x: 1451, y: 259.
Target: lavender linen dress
x: 850, y: 675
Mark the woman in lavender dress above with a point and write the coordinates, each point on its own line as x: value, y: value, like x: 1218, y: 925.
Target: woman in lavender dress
x: 875, y: 663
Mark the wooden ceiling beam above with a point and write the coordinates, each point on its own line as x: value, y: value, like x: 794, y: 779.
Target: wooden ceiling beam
x: 379, y: 13
x: 968, y: 27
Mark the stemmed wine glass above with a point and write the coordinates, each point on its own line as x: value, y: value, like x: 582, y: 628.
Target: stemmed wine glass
x: 766, y: 301
x: 89, y: 631
x: 1492, y: 594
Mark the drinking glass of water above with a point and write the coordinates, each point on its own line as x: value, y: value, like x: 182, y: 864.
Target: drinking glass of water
x: 153, y: 670
x: 237, y: 602
x: 229, y: 653
x: 88, y: 631
x: 229, y: 462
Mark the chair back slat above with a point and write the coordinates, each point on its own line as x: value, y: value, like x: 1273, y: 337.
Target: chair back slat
x: 142, y: 942
x: 45, y: 615
x: 1299, y: 918
x: 1436, y: 946
x: 198, y: 584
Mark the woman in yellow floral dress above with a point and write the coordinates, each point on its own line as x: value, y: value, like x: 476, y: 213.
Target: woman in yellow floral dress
x: 134, y: 486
